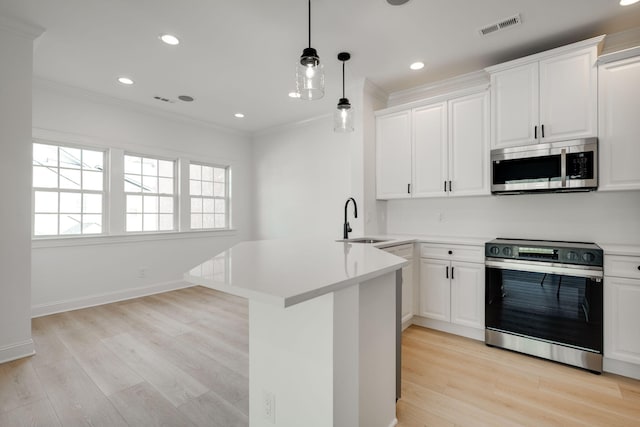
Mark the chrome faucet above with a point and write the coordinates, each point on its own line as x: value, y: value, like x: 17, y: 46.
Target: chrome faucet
x: 347, y: 228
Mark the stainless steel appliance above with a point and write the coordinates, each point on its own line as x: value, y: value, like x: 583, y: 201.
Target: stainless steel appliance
x: 544, y: 298
x: 557, y: 166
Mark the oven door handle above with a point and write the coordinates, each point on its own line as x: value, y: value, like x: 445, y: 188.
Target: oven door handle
x: 535, y: 267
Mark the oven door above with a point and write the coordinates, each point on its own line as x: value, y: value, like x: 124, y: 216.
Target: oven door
x: 544, y: 301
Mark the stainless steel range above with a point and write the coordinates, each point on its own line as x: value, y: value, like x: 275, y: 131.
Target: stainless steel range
x: 544, y: 298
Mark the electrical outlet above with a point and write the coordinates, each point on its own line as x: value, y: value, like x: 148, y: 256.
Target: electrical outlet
x: 269, y: 406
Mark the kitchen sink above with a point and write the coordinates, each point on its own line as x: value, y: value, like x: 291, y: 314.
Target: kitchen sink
x: 362, y: 240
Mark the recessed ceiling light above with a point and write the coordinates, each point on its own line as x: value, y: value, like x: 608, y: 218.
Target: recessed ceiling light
x: 628, y: 2
x: 294, y: 94
x: 170, y: 39
x: 186, y: 98
x: 125, y: 80
x: 397, y: 2
x: 417, y: 66
x: 239, y: 115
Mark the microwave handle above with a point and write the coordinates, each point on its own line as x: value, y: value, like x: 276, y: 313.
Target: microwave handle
x: 563, y: 166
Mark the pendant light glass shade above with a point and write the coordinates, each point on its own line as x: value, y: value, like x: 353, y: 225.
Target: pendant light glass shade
x: 310, y: 75
x: 309, y: 71
x: 343, y: 116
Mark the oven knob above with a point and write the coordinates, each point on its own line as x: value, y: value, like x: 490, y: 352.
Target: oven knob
x: 588, y: 257
x: 507, y: 251
x: 573, y: 256
x: 494, y: 250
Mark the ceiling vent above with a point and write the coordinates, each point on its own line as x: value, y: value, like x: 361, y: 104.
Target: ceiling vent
x: 505, y: 23
x: 163, y: 99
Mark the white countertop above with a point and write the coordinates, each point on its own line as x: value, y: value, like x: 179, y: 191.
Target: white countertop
x: 287, y: 272
x: 399, y: 239
x: 615, y: 249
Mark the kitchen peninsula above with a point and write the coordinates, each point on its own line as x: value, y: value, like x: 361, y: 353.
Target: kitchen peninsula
x: 323, y: 325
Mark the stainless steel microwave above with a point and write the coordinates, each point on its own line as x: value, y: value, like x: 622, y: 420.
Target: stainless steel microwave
x: 557, y: 166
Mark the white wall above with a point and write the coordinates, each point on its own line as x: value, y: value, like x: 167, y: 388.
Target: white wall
x: 66, y: 276
x: 305, y: 172
x: 302, y: 181
x: 601, y: 217
x: 16, y: 51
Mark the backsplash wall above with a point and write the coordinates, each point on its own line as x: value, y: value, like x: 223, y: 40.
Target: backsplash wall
x: 601, y: 217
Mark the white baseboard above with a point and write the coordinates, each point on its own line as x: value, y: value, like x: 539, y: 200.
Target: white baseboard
x: 105, y: 298
x: 465, y: 331
x: 17, y: 351
x: 621, y: 368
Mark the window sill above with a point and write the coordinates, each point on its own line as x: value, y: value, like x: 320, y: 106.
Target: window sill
x: 114, y: 239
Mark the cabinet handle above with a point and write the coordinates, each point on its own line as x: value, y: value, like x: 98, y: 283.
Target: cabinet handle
x: 450, y: 252
x: 447, y: 273
x: 535, y: 132
x: 542, y: 128
x: 445, y: 186
x: 409, y: 188
x: 639, y: 267
x: 452, y: 273
x: 449, y: 186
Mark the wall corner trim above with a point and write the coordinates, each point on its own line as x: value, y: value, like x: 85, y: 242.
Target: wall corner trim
x: 17, y: 351
x: 19, y: 27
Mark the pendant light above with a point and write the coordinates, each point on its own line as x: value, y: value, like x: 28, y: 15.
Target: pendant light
x: 343, y: 116
x: 309, y: 73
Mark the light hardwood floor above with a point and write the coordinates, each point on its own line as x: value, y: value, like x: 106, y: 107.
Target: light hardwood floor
x: 181, y: 359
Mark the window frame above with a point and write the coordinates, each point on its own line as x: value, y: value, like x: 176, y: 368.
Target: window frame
x: 226, y: 198
x: 175, y: 196
x: 104, y: 193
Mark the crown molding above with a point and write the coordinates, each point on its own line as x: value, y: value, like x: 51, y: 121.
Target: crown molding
x: 375, y: 91
x: 594, y: 41
x: 19, y: 27
x: 292, y: 126
x: 99, y: 98
x: 476, y: 79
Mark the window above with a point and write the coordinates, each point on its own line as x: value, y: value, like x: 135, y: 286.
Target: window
x: 208, y: 191
x: 68, y: 190
x: 149, y: 186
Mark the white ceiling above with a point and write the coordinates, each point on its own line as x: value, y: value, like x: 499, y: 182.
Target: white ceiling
x: 240, y: 55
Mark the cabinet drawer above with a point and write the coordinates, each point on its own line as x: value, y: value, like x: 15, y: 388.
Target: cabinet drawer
x: 452, y: 252
x: 622, y: 266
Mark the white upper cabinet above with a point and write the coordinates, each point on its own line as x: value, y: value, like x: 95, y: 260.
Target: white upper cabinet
x: 469, y: 145
x: 430, y: 152
x: 393, y: 155
x: 514, y: 106
x: 448, y: 144
x: 619, y: 116
x: 547, y: 97
x: 569, y: 96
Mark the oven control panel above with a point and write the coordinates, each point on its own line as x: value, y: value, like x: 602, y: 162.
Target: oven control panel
x: 545, y: 251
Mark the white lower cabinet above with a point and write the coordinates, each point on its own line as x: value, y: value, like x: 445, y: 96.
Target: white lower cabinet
x: 406, y: 252
x: 621, y: 311
x: 452, y: 291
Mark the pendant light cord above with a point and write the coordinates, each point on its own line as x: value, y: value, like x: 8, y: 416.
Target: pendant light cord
x: 343, y: 79
x: 309, y: 23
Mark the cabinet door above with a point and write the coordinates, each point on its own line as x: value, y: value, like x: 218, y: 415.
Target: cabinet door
x: 621, y: 319
x: 407, y: 292
x: 393, y: 155
x: 430, y: 150
x: 467, y: 294
x: 435, y: 295
x: 468, y: 145
x: 514, y: 106
x: 619, y: 112
x: 568, y: 96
